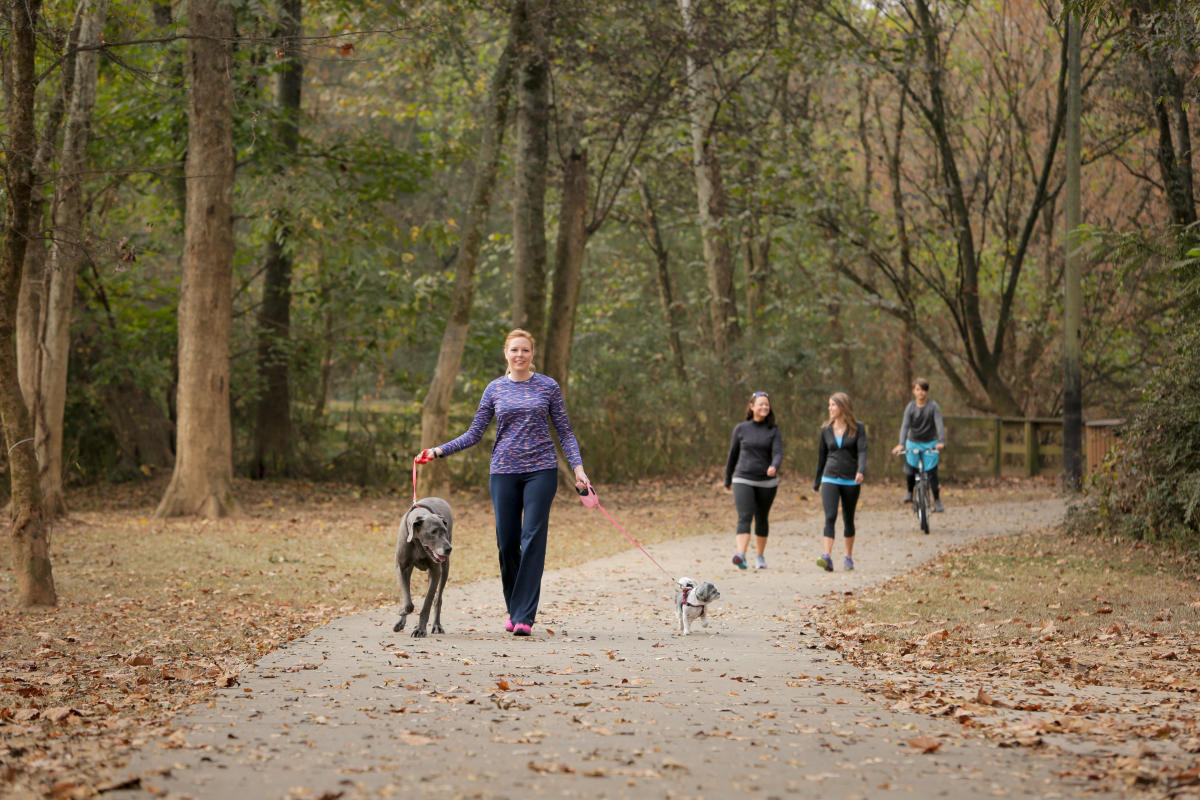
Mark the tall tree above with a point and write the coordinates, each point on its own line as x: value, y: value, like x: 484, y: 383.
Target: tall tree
x: 530, y: 164
x: 672, y: 311
x: 1169, y: 57
x: 273, y: 418
x: 28, y: 530
x: 435, y: 411
x: 202, y: 482
x: 568, y: 265
x: 33, y: 278
x: 703, y: 104
x: 993, y: 185
x: 1072, y: 280
x: 67, y: 253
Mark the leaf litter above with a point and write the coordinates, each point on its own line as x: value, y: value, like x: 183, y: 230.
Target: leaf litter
x: 1084, y: 645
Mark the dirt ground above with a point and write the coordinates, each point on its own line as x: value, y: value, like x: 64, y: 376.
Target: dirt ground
x: 279, y: 624
x: 607, y: 699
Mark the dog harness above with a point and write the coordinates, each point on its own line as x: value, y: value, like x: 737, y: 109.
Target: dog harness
x: 687, y: 591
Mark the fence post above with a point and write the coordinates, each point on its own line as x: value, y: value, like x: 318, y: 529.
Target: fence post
x: 997, y: 446
x: 1031, y: 450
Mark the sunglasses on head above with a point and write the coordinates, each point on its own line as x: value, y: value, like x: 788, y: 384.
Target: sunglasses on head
x: 757, y: 395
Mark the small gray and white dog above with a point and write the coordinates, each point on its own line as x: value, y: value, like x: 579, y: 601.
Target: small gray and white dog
x: 691, y: 602
x: 424, y: 543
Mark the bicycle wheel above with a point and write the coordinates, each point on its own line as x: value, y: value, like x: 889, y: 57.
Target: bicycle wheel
x: 921, y: 498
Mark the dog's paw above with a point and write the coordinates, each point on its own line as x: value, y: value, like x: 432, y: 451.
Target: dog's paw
x: 399, y: 626
x: 419, y: 633
x: 437, y: 628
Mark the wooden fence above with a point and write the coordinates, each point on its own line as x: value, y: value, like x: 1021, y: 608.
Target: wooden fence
x: 996, y: 446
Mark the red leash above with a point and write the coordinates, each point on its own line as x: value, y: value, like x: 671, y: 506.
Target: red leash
x: 415, y: 462
x: 588, y: 497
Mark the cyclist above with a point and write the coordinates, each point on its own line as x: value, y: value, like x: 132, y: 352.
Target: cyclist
x: 922, y: 429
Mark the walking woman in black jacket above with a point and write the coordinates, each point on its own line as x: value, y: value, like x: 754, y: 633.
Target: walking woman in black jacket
x: 841, y: 465
x: 752, y: 470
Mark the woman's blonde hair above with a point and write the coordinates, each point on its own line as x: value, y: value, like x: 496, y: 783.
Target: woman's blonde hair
x: 519, y: 333
x: 842, y: 401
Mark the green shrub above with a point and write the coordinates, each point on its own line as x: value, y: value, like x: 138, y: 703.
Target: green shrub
x: 1150, y: 488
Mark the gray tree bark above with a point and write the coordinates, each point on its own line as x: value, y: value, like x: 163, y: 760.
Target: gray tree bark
x: 1072, y: 279
x: 202, y: 483
x: 67, y: 252
x: 530, y: 164
x: 273, y: 418
x: 28, y: 528
x: 568, y: 267
x: 33, y: 276
x: 703, y: 103
x: 672, y: 311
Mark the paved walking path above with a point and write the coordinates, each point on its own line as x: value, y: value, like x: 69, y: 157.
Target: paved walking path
x: 606, y: 699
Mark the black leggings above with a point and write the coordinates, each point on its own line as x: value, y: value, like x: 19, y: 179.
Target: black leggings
x: 911, y: 478
x: 753, y: 502
x: 831, y: 493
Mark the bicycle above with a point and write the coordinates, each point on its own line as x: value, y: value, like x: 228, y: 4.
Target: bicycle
x: 922, y: 498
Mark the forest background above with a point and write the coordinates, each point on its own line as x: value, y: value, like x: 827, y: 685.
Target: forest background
x: 286, y: 239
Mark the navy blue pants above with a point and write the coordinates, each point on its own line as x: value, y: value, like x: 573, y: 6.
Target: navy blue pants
x: 522, y: 501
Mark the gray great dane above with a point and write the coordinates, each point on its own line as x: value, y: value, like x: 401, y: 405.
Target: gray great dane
x: 424, y: 543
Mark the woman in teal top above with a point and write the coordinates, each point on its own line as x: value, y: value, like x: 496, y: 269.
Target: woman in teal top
x: 841, y: 466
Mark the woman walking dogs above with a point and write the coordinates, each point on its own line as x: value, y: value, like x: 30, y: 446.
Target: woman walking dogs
x: 524, y: 471
x: 841, y: 464
x: 752, y: 471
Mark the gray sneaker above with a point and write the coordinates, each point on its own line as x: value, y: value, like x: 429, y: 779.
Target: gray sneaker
x: 825, y: 563
x: 907, y: 498
x: 760, y: 563
x: 848, y: 564
x: 937, y: 506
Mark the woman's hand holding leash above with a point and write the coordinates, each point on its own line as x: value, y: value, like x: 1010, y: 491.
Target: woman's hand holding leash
x: 427, y: 455
x: 581, y: 479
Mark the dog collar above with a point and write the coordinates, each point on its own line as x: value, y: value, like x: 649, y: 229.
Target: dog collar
x: 687, y: 592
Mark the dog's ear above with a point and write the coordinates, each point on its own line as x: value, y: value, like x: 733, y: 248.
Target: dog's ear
x: 412, y: 527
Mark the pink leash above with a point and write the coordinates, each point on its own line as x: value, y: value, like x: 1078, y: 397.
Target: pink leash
x: 415, y: 462
x: 588, y: 497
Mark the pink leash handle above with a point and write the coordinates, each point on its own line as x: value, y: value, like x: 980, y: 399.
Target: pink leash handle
x: 588, y: 497
x: 415, y: 462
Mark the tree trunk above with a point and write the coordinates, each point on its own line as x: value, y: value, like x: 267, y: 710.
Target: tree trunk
x: 1072, y: 278
x: 28, y: 528
x: 435, y: 412
x: 529, y: 180
x: 568, y: 268
x: 710, y: 191
x: 203, y: 479
x: 672, y: 311
x: 66, y: 254
x: 1169, y: 102
x: 33, y: 276
x: 273, y: 428
x: 756, y: 240
x: 143, y: 431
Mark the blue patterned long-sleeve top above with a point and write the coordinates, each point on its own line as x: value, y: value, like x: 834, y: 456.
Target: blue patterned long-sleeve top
x: 523, y: 412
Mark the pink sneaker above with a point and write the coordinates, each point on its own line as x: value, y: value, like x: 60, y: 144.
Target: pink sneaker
x: 508, y: 626
x: 521, y: 629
